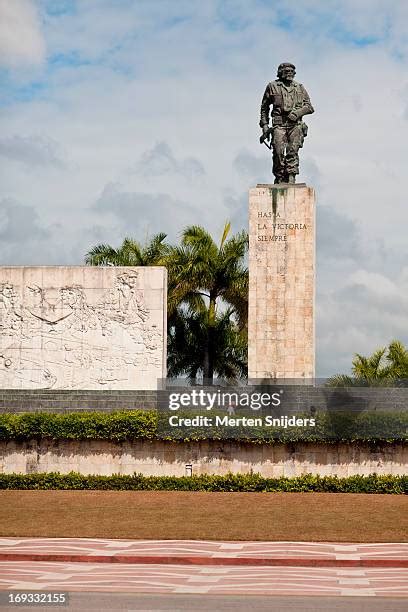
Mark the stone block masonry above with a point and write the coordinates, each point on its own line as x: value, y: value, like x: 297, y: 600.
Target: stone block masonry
x: 82, y: 328
x: 281, y: 320
x: 163, y: 458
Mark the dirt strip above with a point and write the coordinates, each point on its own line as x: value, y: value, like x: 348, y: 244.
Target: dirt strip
x: 175, y: 515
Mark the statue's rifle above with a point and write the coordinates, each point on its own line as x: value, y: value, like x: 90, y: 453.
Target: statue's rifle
x: 265, y: 137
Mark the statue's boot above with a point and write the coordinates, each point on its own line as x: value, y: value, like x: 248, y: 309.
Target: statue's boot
x: 292, y: 179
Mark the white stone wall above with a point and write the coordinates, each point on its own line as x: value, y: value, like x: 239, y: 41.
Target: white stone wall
x: 208, y: 457
x: 82, y: 327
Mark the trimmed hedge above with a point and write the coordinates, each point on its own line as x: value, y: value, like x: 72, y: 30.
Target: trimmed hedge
x: 114, y: 426
x: 228, y: 483
x: 331, y: 427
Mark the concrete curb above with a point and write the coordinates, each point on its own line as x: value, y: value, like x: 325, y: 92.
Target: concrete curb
x: 202, y: 560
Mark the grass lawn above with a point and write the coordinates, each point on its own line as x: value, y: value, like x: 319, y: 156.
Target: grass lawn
x: 341, y: 517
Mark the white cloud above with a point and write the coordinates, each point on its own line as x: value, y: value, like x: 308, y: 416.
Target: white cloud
x: 21, y: 38
x: 19, y: 227
x: 160, y: 160
x: 375, y: 283
x: 339, y: 237
x: 125, y: 76
x: 128, y: 208
x: 251, y: 166
x: 367, y: 310
x: 32, y: 150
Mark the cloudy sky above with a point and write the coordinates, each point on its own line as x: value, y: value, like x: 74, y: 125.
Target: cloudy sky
x: 129, y: 117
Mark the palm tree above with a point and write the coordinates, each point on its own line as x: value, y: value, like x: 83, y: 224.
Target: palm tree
x: 384, y: 367
x: 204, y: 277
x: 397, y: 358
x: 187, y: 346
x: 207, y: 296
x: 130, y: 253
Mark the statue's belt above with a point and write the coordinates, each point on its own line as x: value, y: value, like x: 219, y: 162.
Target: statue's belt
x: 284, y: 122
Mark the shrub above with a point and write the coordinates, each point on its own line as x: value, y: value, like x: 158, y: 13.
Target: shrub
x: 373, y: 483
x: 120, y: 426
x: 114, y: 426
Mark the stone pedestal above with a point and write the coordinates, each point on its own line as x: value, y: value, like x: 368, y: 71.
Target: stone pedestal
x: 281, y: 322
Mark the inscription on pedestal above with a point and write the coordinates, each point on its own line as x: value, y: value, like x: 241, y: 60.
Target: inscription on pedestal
x: 271, y: 223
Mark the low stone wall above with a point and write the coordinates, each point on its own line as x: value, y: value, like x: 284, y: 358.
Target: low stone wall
x: 297, y: 398
x: 19, y: 401
x: 158, y: 458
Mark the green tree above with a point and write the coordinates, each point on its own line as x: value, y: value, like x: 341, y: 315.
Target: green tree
x: 386, y: 366
x: 130, y: 253
x: 207, y: 297
x: 188, y: 333
x: 397, y: 358
x: 205, y: 277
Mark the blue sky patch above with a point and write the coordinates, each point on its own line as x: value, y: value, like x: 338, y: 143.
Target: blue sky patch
x: 55, y: 8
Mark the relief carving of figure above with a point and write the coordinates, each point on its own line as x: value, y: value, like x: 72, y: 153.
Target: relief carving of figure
x: 62, y: 338
x: 10, y: 317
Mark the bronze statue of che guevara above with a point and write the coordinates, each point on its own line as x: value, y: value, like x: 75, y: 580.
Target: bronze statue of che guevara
x: 287, y: 102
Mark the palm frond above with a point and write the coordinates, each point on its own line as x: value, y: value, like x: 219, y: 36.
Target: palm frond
x: 101, y: 255
x: 225, y: 233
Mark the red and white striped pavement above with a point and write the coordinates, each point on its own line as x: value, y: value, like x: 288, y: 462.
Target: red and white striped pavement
x: 204, y: 552
x: 196, y: 566
x: 226, y: 580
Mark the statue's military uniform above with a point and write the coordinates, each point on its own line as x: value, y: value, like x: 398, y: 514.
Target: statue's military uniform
x: 287, y: 134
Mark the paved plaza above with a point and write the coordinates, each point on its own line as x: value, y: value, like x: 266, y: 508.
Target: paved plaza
x: 201, y: 552
x: 206, y: 579
x: 176, y: 567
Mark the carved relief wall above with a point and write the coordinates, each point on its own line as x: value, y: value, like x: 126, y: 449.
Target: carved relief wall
x: 82, y: 327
